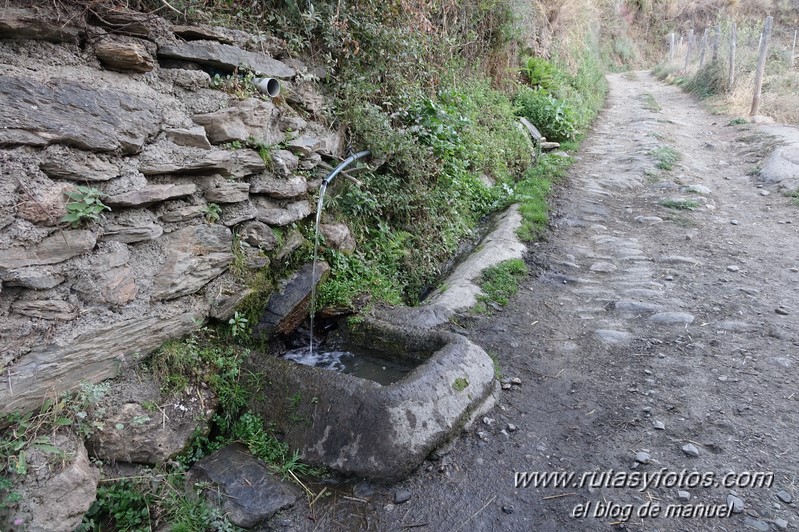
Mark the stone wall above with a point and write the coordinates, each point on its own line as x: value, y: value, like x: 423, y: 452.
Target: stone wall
x: 123, y: 102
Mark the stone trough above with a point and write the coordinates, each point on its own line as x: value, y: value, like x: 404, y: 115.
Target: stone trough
x: 359, y: 427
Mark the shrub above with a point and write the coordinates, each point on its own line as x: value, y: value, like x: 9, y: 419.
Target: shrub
x: 554, y: 118
x: 540, y: 73
x: 709, y: 80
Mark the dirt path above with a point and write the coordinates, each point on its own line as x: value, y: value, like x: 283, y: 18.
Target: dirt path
x: 642, y: 329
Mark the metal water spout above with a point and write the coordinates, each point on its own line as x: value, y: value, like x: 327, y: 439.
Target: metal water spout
x: 346, y: 162
x: 322, y: 189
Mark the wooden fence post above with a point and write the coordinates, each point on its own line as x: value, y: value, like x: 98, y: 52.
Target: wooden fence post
x: 731, y: 78
x: 793, y: 51
x: 688, y: 53
x: 702, y: 48
x: 761, y: 66
x: 716, y: 42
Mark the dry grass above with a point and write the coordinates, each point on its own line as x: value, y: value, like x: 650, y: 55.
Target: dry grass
x: 780, y: 83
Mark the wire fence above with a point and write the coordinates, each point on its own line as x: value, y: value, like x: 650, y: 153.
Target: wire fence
x: 754, y: 64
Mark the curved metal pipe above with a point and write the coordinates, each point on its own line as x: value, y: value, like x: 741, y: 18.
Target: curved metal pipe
x: 346, y: 162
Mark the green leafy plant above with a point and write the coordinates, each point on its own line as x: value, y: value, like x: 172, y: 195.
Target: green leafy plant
x: 212, y: 212
x: 540, y: 73
x: 239, y: 85
x: 84, y: 205
x: 238, y: 324
x: 553, y: 117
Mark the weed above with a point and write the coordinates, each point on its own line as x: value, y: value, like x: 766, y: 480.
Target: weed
x: 666, y: 157
x: 239, y: 85
x: 212, y: 212
x: 532, y: 194
x: 680, y: 204
x: 540, y: 73
x: 555, y: 118
x: 737, y: 121
x: 501, y: 281
x: 238, y: 324
x: 460, y: 384
x: 709, y: 80
x: 495, y: 360
x: 84, y: 205
x: 152, y: 500
x: 650, y: 103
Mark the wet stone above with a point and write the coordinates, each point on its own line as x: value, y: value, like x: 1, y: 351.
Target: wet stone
x: 780, y: 523
x: 784, y: 496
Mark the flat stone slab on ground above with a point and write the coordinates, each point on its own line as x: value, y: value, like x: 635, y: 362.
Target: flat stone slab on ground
x: 241, y: 485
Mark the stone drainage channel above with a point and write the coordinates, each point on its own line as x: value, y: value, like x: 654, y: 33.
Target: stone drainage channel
x: 411, y: 389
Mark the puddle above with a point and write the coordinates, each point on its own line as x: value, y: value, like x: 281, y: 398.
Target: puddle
x: 359, y: 363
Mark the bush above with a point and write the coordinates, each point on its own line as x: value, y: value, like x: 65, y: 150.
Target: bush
x: 540, y: 73
x: 709, y: 80
x: 554, y: 118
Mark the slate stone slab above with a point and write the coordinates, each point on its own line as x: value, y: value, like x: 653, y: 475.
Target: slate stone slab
x: 90, y: 357
x: 149, y: 194
x: 286, y: 308
x: 250, y: 118
x: 227, y: 58
x: 242, y: 487
x: 29, y: 24
x: 56, y: 248
x: 197, y: 255
x: 71, y: 113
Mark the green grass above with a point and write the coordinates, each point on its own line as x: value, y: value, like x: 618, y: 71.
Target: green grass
x: 737, y: 121
x: 666, y: 157
x: 501, y: 281
x: 532, y: 194
x: 680, y: 205
x: 650, y: 103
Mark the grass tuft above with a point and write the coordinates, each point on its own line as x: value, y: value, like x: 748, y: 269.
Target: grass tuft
x: 680, y: 205
x: 666, y: 157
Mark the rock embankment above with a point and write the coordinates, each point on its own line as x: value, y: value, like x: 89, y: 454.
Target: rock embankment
x: 125, y: 105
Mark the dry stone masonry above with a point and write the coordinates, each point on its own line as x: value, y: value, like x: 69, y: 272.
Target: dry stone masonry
x: 124, y: 103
